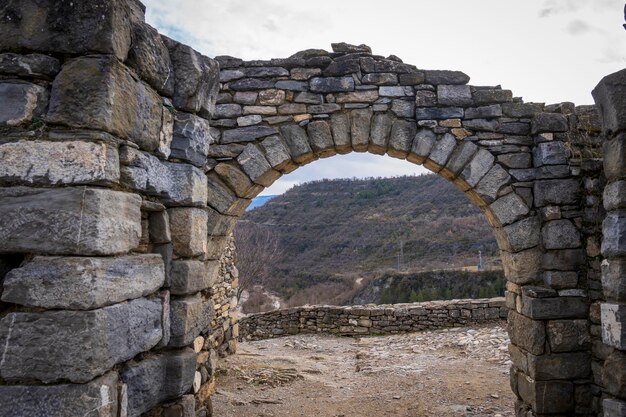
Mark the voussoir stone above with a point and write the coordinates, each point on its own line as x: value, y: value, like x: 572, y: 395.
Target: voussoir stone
x: 97, y: 398
x: 66, y: 27
x: 98, y: 92
x: 256, y: 166
x: 69, y: 221
x: 77, y: 345
x: 175, y: 184
x: 83, y: 283
x: 37, y: 162
x: 156, y: 379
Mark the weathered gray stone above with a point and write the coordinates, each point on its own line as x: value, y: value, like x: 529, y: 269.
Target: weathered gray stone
x: 248, y: 84
x: 97, y: 398
x: 31, y: 65
x: 396, y: 91
x: 521, y: 160
x: 82, y: 283
x: 149, y: 56
x: 509, y: 208
x: 609, y: 97
x: 613, y: 407
x: 189, y: 317
x: 403, y: 108
x: 22, y: 102
x: 438, y: 113
x: 304, y: 73
x: 196, y: 79
x: 230, y: 75
x: 66, y: 28
x: 526, y: 333
x: 60, y: 162
x: 227, y: 111
x: 298, y: 143
x: 254, y: 164
x: 560, y: 234
x: 523, y: 234
x: 614, y: 196
x: 251, y: 120
x: 493, y: 95
x: 340, y: 125
x: 614, y: 234
x: 454, y: 95
x: 260, y: 110
x: 614, y: 151
x: 548, y: 122
x: 440, y: 152
x: 550, y: 153
x: 190, y: 276
x: 483, y: 112
x: 308, y: 98
x: 189, y: 231
x: 175, y: 184
x: 362, y: 96
x: 277, y: 154
x: 331, y: 107
x: 159, y: 227
x: 331, y: 84
x: 376, y: 64
x: 293, y: 85
x: 245, y: 97
x: 564, y: 259
x: 117, y: 103
x: 613, y: 284
x: 555, y: 308
x: 614, y: 325
x: 488, y: 187
x: 292, y: 108
x: 77, y: 345
x: 556, y: 192
x: 191, y: 138
x: 522, y: 267
x: 247, y: 134
x: 560, y: 280
x: 445, y: 77
x: 380, y: 79
x: 157, y: 379
x: 568, y: 335
x: 414, y: 78
x: 614, y: 375
x: 218, y: 224
x: 422, y: 144
x: 481, y: 125
x: 221, y: 197
x: 380, y: 131
x: 401, y: 138
x: 425, y: 98
x: 69, y: 221
x: 265, y: 72
x: 237, y: 180
x: 575, y: 365
x: 360, y: 128
x: 320, y: 138
x: 547, y: 397
x: 460, y: 157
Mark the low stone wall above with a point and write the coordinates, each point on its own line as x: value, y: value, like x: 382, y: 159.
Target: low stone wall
x: 370, y: 319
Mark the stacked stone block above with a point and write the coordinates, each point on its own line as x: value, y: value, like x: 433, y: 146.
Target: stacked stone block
x: 110, y: 279
x: 610, y: 97
x: 371, y: 319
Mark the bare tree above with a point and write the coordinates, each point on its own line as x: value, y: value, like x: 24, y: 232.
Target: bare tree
x: 257, y: 250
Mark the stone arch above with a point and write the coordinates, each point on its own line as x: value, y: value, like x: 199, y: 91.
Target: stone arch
x: 106, y: 166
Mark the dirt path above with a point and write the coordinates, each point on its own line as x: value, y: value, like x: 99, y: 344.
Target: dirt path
x: 457, y: 372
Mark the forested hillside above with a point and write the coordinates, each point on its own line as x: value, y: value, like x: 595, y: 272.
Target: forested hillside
x: 330, y: 233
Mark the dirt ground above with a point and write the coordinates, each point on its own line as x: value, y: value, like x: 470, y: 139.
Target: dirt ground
x: 456, y: 372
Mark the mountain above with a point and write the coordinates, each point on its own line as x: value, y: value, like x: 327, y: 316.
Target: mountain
x: 259, y: 201
x: 333, y: 235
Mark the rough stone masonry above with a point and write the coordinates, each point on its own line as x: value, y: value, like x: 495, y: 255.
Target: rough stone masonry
x: 126, y: 159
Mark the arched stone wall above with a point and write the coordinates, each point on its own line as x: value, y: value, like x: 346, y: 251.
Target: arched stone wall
x: 122, y: 180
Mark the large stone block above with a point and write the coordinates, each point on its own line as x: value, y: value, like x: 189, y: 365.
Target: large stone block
x: 256, y: 166
x: 298, y: 143
x: 191, y: 138
x: 488, y: 187
x: 321, y: 138
x: 547, y: 397
x: 550, y: 153
x: 174, y: 184
x: 238, y: 181
x: 555, y: 308
x: 277, y: 154
x: 340, y: 125
x: 97, y: 398
x: 454, y: 95
x: 461, y: 156
x: 614, y: 234
x: 157, y: 379
x: 53, y: 163
x: 614, y: 196
x: 98, y: 92
x: 509, y: 209
x: 69, y: 221
x: 196, y: 79
x: 614, y: 407
x: 613, y: 282
x: 614, y: 374
x: 82, y: 283
x: 31, y: 65
x: 521, y: 235
x: 77, y: 345
x: 522, y: 267
x: 564, y: 259
x: 445, y: 77
x: 423, y: 142
x: 380, y: 131
x: 151, y: 59
x: 548, y: 122
x: 222, y: 198
x: 401, y: 138
x: 440, y: 153
x: 576, y: 365
x: 247, y: 134
x: 614, y: 325
x: 526, y: 333
x: 555, y: 192
x: 21, y: 102
x: 189, y: 316
x: 66, y: 27
x: 479, y: 166
x: 360, y: 128
x: 560, y: 234
x: 568, y: 335
x: 331, y: 84
x: 190, y: 276
x: 609, y: 95
x: 189, y: 231
x: 614, y: 151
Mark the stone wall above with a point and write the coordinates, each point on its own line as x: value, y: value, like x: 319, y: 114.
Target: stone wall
x: 371, y: 319
x: 126, y: 159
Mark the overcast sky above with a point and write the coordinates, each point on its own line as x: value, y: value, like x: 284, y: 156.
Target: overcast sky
x: 544, y: 50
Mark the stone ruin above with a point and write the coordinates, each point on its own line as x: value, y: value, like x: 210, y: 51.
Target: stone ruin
x: 126, y: 159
